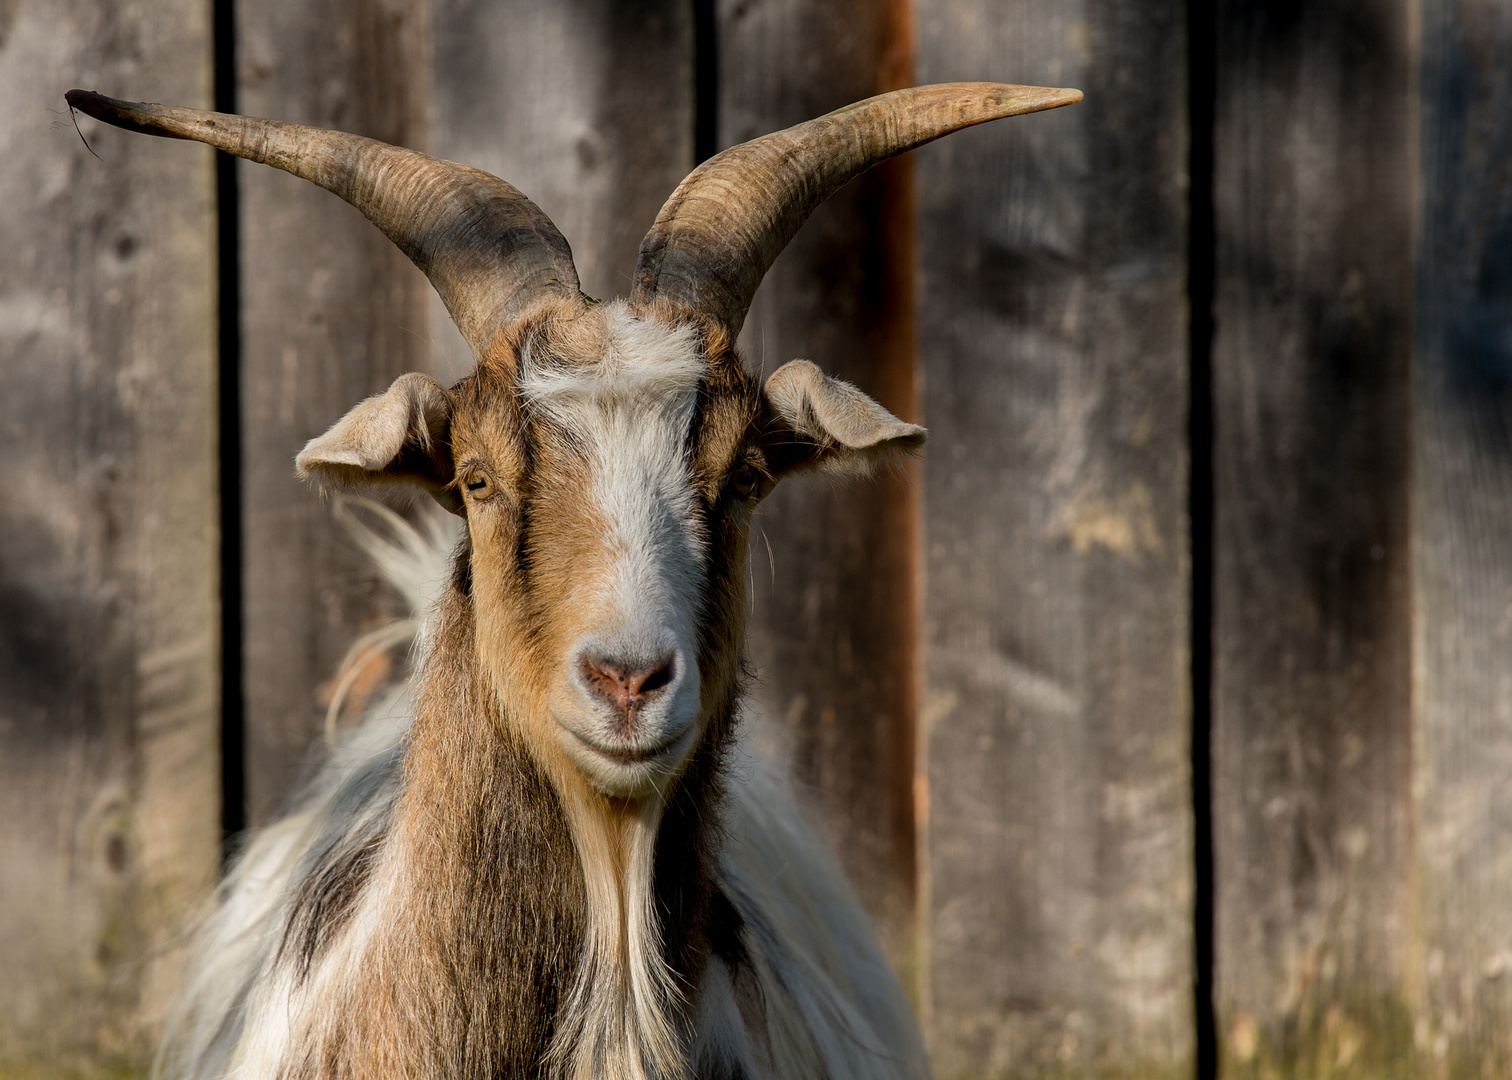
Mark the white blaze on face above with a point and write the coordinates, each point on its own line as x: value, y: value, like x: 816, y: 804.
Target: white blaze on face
x: 630, y: 414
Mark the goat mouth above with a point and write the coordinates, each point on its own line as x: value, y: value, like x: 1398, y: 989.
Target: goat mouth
x: 632, y: 755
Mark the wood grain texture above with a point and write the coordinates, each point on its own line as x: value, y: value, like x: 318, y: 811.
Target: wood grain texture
x: 1312, y: 663
x: 1462, y: 519
x: 1056, y: 715
x: 331, y: 313
x: 109, y: 802
x: 834, y: 566
x: 585, y: 106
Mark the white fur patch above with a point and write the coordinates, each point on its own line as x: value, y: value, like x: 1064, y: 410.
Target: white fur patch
x: 643, y: 361
x: 630, y: 411
x: 618, y: 1024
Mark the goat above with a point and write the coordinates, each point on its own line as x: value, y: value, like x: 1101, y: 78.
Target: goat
x: 555, y: 864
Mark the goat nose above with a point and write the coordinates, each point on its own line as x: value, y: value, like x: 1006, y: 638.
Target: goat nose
x: 626, y: 686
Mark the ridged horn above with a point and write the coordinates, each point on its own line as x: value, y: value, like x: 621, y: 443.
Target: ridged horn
x: 488, y: 250
x: 719, y: 233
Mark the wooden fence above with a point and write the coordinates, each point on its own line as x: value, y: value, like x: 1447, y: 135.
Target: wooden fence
x: 1218, y: 369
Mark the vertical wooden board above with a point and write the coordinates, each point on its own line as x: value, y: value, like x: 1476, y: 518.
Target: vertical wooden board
x: 109, y: 802
x: 331, y: 312
x: 585, y: 106
x: 1311, y: 708
x: 833, y: 566
x: 1056, y: 716
x: 1462, y: 519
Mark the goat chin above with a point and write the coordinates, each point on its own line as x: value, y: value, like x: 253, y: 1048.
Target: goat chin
x: 811, y: 997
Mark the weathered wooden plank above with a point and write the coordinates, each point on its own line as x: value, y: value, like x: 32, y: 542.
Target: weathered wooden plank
x: 1052, y: 336
x: 1462, y: 518
x: 834, y: 567
x: 109, y: 803
x: 1312, y: 664
x: 330, y: 313
x: 585, y: 107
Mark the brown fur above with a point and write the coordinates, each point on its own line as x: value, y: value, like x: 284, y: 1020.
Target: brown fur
x: 466, y: 982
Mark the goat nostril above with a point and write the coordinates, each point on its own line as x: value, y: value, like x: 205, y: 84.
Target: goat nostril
x: 626, y: 686
x: 657, y: 679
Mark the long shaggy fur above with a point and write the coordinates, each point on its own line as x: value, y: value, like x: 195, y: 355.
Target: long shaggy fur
x: 426, y: 913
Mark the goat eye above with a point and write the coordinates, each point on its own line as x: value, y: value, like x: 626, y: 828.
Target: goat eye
x: 744, y: 481
x: 478, y: 485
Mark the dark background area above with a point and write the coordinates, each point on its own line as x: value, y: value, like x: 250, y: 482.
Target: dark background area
x: 1161, y: 713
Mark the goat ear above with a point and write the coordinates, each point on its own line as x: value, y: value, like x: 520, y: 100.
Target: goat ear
x: 401, y: 435
x: 824, y: 423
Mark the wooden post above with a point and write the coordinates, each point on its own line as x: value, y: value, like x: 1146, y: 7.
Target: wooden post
x: 331, y: 312
x: 1312, y: 648
x: 109, y: 803
x: 1462, y: 522
x: 834, y: 567
x: 1057, y: 850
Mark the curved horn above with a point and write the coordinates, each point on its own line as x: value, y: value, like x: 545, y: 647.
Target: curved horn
x: 719, y: 233
x: 489, y: 251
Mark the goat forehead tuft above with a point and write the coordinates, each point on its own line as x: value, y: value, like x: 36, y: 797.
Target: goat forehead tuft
x: 615, y: 357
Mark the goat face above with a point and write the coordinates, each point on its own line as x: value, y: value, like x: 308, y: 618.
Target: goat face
x: 607, y: 461
x: 605, y: 532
